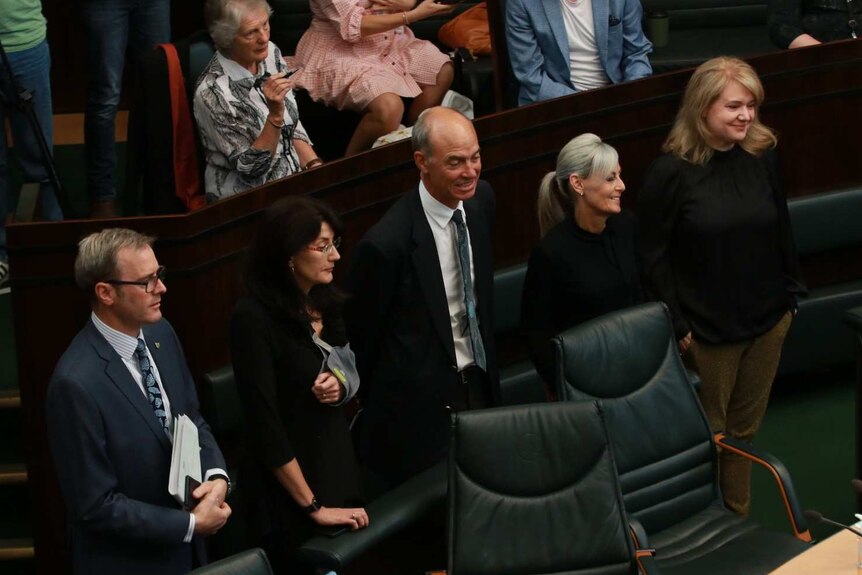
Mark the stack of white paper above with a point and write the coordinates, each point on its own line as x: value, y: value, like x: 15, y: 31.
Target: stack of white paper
x: 185, y: 459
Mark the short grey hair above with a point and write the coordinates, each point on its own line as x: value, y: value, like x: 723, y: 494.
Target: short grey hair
x: 421, y: 134
x: 224, y: 17
x: 97, y: 255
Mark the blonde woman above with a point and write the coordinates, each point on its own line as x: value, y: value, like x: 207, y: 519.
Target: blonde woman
x: 718, y: 250
x: 585, y: 264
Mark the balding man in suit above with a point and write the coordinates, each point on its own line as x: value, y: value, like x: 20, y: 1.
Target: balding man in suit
x: 420, y: 320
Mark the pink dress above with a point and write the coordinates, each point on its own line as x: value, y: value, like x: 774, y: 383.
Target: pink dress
x: 345, y: 70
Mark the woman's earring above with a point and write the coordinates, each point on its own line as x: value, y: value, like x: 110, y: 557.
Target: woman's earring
x: 290, y: 265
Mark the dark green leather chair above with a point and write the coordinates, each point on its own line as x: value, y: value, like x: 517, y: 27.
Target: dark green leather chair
x: 221, y: 408
x: 519, y: 382
x: 665, y: 451
x: 391, y: 513
x: 533, y: 490
x: 827, y: 232
x: 251, y: 562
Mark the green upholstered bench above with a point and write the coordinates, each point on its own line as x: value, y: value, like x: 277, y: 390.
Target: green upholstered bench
x: 819, y: 336
x: 702, y: 29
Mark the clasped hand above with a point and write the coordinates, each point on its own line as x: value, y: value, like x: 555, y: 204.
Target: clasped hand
x: 327, y: 389
x: 211, y: 511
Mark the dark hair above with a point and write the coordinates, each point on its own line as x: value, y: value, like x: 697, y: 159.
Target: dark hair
x: 287, y: 227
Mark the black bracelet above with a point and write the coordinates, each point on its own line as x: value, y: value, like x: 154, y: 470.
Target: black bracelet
x: 315, y: 506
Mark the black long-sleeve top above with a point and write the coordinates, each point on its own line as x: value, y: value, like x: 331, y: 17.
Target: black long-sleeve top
x: 825, y: 20
x: 574, y: 276
x: 275, y: 363
x: 717, y: 246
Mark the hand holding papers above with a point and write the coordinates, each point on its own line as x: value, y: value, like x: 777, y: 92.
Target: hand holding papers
x: 185, y: 473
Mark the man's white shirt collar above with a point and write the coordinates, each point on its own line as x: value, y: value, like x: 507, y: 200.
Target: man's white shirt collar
x: 437, y: 212
x: 124, y: 344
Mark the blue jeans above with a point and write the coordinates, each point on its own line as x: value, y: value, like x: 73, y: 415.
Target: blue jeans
x: 32, y: 67
x: 110, y: 26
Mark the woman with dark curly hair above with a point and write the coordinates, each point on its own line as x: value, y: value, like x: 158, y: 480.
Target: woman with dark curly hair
x: 283, y: 334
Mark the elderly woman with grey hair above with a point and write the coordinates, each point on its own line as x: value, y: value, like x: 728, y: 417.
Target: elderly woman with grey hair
x: 244, y: 104
x: 586, y: 264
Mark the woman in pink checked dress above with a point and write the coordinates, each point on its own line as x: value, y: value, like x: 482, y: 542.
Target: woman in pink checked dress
x: 361, y: 55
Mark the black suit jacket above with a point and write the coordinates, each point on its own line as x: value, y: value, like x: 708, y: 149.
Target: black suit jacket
x: 113, y: 458
x: 398, y: 325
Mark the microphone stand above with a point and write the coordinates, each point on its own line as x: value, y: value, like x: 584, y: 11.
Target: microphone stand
x: 22, y: 100
x: 815, y: 517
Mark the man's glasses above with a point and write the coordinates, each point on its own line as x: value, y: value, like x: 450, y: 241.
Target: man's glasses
x: 336, y: 243
x: 148, y: 284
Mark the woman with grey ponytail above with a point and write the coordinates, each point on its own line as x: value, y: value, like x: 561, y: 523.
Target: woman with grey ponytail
x: 586, y: 264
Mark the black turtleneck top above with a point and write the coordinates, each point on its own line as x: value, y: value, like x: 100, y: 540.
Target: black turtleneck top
x: 573, y: 276
x: 717, y: 246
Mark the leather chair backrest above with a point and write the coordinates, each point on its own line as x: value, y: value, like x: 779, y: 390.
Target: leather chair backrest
x: 824, y: 222
x: 290, y: 19
x: 662, y: 442
x: 201, y: 51
x: 532, y: 489
x: 508, y: 289
x: 251, y: 562
x: 220, y: 403
x: 685, y: 14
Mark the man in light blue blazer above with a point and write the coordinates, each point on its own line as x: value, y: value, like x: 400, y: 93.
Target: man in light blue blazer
x: 539, y: 46
x: 109, y: 407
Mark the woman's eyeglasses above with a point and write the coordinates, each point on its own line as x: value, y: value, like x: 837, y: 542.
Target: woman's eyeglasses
x: 336, y: 243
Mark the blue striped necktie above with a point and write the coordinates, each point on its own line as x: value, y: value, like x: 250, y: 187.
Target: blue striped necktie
x: 467, y: 282
x: 154, y: 394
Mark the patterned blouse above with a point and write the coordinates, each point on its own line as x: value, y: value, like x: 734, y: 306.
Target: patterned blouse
x: 231, y: 113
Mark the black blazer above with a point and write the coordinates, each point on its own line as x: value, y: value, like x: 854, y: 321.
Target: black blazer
x: 398, y: 325
x: 113, y: 458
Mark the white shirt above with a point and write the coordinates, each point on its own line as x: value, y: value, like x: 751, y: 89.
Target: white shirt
x: 439, y: 218
x: 586, y: 68
x: 125, y: 346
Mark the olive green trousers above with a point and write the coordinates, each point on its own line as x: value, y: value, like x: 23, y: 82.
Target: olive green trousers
x: 736, y: 379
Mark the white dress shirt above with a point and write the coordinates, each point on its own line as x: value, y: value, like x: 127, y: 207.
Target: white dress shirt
x: 439, y: 218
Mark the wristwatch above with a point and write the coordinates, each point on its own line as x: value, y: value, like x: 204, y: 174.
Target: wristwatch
x: 315, y: 506
x: 222, y: 476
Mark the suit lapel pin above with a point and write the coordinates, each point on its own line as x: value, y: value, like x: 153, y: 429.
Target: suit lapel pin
x: 158, y: 345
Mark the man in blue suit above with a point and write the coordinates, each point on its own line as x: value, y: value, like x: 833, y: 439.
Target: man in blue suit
x: 110, y: 405
x: 559, y: 47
